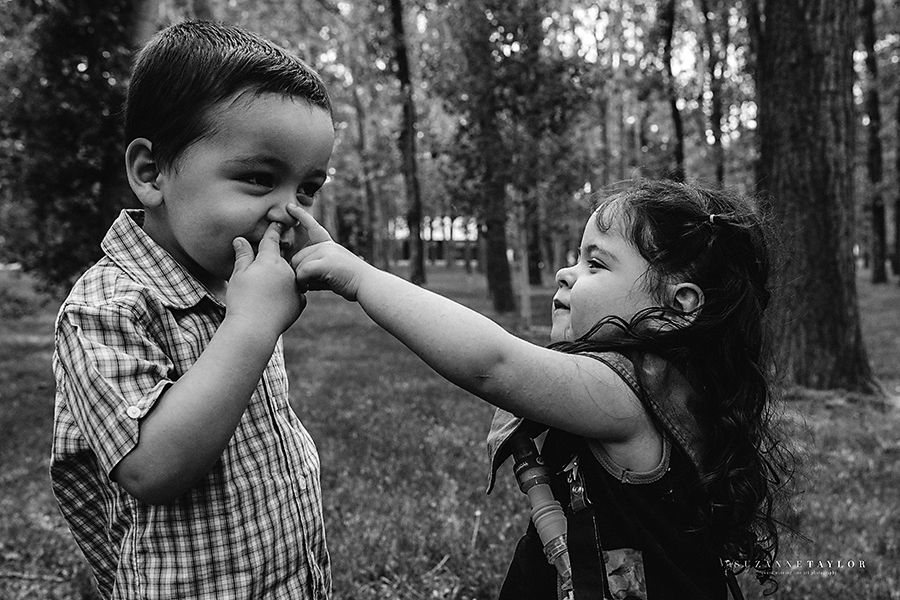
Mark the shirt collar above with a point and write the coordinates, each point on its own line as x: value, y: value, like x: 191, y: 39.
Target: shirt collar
x: 131, y: 249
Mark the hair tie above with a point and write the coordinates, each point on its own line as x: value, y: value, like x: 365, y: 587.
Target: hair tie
x: 712, y: 218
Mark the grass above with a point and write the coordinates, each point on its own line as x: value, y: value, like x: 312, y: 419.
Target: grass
x: 404, y: 471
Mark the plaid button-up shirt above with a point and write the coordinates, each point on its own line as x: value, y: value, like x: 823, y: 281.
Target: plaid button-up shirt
x: 253, y: 527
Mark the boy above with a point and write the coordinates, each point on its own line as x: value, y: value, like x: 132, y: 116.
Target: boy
x: 177, y: 461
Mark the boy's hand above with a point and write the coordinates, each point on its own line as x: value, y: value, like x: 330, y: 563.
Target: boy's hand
x: 262, y: 288
x: 323, y: 264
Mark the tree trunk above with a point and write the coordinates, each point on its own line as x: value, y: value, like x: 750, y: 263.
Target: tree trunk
x: 807, y: 120
x: 474, y: 33
x: 667, y: 26
x: 897, y: 199
x: 622, y: 137
x: 449, y: 239
x: 603, y: 168
x: 499, y: 276
x: 534, y: 229
x: 523, y: 246
x: 374, y: 222
x: 873, y: 156
x: 603, y: 161
x: 756, y: 57
x: 470, y: 247
x: 432, y: 244
x: 715, y: 83
x: 617, y: 138
x: 408, y: 150
x: 754, y: 29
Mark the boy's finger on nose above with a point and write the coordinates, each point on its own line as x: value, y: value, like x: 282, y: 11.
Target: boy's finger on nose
x: 316, y: 233
x: 271, y: 239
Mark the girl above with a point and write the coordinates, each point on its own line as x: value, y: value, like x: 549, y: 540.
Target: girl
x: 654, y: 394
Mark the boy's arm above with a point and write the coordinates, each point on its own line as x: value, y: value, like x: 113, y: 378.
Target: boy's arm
x: 187, y: 430
x: 575, y: 393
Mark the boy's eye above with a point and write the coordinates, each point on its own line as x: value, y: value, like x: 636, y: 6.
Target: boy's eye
x: 309, y: 190
x: 259, y: 179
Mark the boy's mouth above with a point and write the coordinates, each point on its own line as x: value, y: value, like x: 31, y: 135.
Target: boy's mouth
x: 287, y: 244
x: 557, y: 305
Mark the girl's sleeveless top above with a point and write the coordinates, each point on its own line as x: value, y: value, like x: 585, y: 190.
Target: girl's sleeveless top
x: 650, y: 549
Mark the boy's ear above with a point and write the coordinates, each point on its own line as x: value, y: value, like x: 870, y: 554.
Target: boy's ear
x: 687, y: 298
x: 143, y: 172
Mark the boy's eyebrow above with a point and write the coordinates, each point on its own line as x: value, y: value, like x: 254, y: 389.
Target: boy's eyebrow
x: 252, y: 160
x: 256, y: 160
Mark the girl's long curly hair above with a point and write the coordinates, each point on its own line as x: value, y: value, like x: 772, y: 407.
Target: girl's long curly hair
x: 718, y: 241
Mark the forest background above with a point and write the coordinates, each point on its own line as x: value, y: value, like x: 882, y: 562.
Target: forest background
x: 478, y: 130
x: 472, y: 134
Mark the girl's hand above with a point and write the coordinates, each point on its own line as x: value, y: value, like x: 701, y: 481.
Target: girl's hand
x: 324, y: 264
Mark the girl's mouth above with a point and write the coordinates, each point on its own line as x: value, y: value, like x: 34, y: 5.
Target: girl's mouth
x: 557, y: 305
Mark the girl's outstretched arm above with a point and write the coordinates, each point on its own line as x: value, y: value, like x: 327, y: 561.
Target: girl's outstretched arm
x: 571, y: 392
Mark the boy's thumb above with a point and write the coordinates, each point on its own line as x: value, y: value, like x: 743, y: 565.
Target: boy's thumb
x: 243, y: 254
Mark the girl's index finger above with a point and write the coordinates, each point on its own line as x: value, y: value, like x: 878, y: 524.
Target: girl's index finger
x: 271, y: 239
x: 316, y: 233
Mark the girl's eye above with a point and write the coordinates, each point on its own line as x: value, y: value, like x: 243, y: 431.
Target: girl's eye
x: 596, y: 264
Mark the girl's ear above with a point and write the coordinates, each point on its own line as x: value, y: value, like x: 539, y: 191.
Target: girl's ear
x: 143, y: 172
x: 687, y: 298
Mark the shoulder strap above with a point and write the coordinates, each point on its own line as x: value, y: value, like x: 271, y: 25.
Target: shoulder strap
x: 589, y: 580
x: 733, y: 586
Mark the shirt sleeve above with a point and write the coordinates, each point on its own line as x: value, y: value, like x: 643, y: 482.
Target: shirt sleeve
x: 113, y: 370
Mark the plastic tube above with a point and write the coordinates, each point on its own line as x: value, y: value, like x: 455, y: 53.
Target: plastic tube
x: 546, y: 513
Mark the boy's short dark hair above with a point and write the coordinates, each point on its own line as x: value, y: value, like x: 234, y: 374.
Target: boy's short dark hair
x: 188, y: 68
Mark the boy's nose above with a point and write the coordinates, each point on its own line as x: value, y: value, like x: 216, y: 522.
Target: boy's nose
x: 279, y: 213
x: 290, y: 238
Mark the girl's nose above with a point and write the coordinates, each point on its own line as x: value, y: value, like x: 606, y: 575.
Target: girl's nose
x: 565, y: 277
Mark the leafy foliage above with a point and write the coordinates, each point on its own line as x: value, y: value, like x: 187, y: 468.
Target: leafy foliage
x: 62, y: 144
x: 523, y: 107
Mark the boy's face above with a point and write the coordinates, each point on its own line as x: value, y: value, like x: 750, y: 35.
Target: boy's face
x: 263, y: 152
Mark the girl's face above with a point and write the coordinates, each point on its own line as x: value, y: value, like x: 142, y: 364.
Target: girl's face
x: 607, y: 280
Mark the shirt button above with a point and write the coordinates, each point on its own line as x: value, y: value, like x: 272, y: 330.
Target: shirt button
x: 133, y: 411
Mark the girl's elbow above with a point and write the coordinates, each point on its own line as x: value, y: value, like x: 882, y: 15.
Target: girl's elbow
x: 488, y: 387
